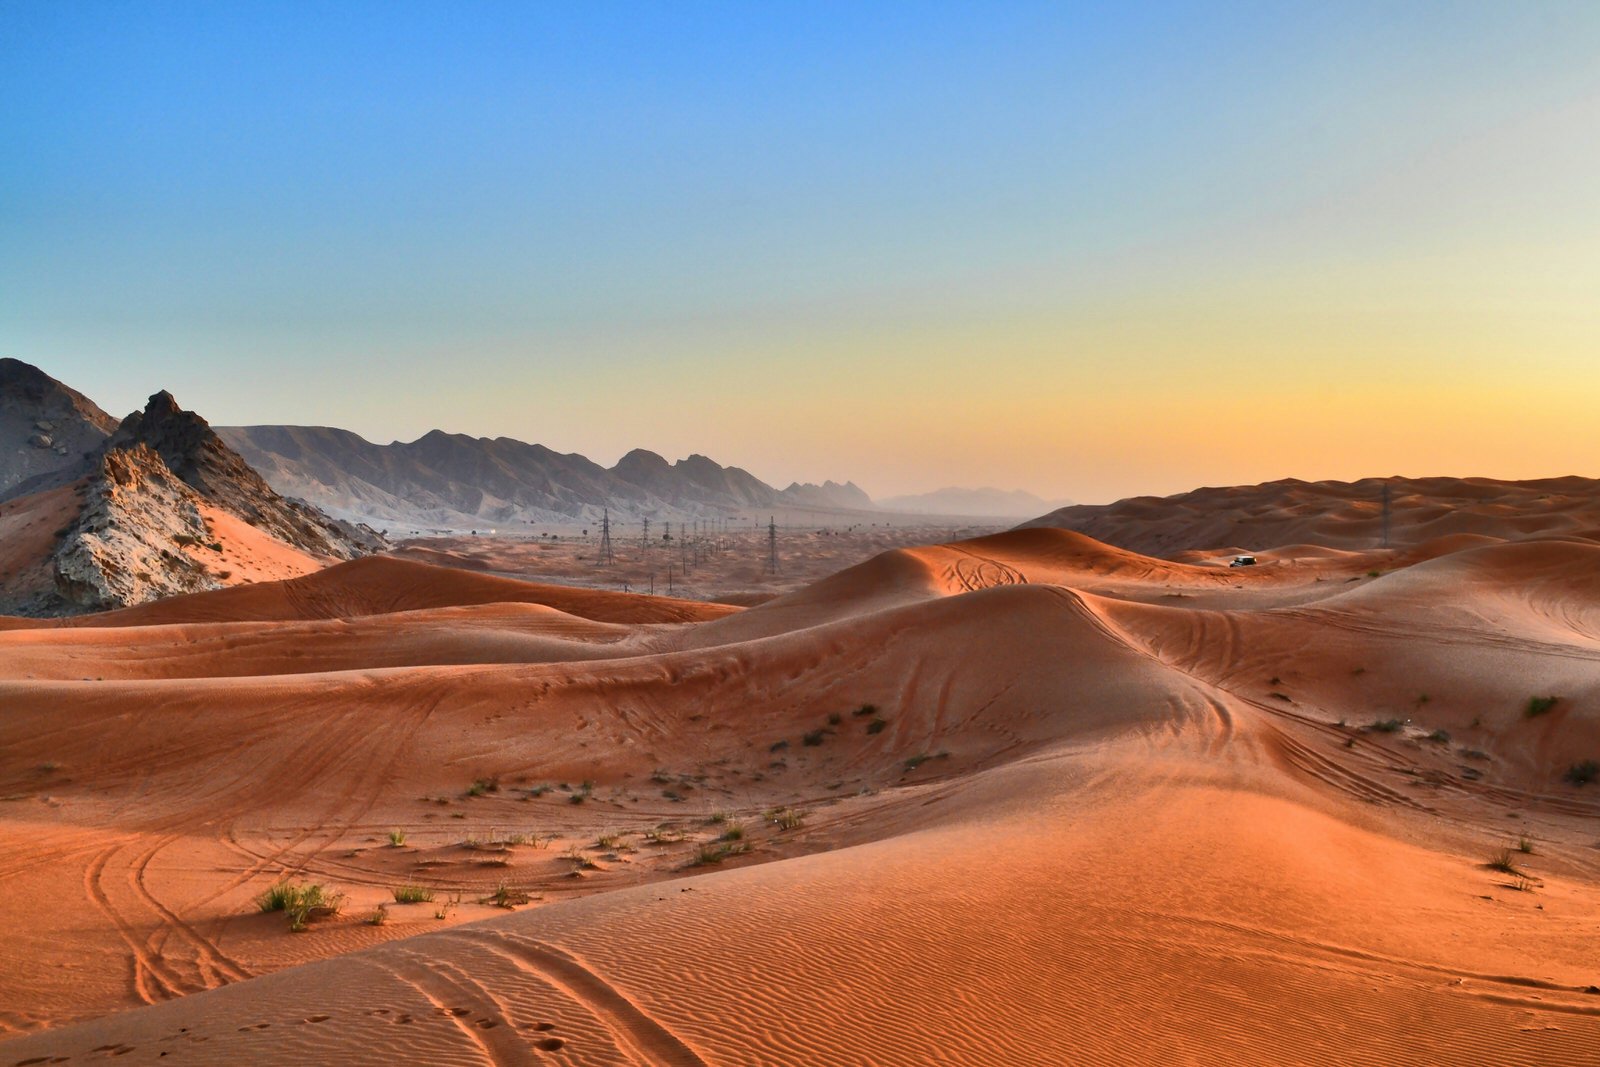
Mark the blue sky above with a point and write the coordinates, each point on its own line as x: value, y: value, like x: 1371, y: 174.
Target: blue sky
x: 1087, y: 250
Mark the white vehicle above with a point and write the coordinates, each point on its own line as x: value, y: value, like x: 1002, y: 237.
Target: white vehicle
x: 1243, y: 561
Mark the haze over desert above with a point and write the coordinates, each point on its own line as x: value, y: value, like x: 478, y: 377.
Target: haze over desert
x: 750, y: 536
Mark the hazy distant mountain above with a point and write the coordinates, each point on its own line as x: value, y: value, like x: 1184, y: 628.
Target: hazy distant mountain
x: 125, y: 513
x: 829, y: 495
x: 452, y: 481
x: 996, y: 503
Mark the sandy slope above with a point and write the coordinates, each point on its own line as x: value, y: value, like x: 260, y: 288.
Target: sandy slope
x: 1346, y: 515
x: 1055, y: 803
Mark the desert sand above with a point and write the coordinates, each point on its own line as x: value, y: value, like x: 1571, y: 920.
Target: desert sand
x: 1345, y: 515
x: 1019, y: 799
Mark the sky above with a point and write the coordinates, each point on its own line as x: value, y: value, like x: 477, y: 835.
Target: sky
x: 1089, y: 250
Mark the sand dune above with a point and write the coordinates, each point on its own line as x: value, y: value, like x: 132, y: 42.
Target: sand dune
x: 1024, y: 799
x: 377, y: 585
x: 1349, y: 515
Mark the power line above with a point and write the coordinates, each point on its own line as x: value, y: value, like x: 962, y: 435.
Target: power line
x: 606, y: 557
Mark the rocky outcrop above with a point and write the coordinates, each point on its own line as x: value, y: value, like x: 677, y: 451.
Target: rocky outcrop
x: 132, y: 541
x: 138, y: 527
x: 193, y: 452
x: 47, y: 430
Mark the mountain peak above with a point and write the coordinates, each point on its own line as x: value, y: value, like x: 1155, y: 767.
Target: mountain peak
x: 47, y: 430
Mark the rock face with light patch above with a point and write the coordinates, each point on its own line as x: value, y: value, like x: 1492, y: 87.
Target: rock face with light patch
x: 130, y: 543
x: 145, y: 485
x: 45, y: 428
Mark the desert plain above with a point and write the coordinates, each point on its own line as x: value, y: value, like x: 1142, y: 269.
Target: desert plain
x: 1024, y: 798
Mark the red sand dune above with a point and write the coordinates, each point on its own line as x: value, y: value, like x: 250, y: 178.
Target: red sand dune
x: 1027, y: 799
x: 376, y: 585
x: 1347, y: 515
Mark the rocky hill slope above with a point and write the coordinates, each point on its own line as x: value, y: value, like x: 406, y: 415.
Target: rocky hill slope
x: 157, y: 505
x: 456, y: 482
x: 45, y: 427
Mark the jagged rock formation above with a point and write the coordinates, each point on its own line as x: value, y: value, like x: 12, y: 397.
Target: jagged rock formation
x: 194, y: 453
x: 134, y: 539
x: 453, y: 481
x: 160, y: 505
x: 45, y: 427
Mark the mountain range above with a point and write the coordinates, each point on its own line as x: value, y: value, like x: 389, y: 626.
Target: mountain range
x: 445, y: 481
x: 99, y: 514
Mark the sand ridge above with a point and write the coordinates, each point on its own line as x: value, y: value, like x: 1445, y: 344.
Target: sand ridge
x: 1021, y: 799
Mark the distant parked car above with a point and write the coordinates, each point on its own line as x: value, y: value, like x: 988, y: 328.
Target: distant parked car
x: 1243, y: 561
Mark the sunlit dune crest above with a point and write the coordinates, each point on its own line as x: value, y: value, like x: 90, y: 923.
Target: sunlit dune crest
x: 976, y: 802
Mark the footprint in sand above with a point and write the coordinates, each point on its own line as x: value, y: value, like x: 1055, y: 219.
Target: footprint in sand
x: 550, y: 1044
x: 254, y: 1026
x: 316, y: 1018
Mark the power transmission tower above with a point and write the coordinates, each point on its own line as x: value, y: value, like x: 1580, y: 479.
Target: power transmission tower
x: 772, y: 545
x: 606, y: 558
x: 1385, y: 514
x: 644, y: 538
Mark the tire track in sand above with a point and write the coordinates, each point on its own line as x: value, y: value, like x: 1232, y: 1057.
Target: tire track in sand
x: 636, y: 1032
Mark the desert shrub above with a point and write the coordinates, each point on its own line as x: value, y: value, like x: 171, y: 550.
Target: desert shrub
x: 814, y: 738
x: 412, y: 894
x: 302, y: 903
x: 786, y: 818
x: 506, y: 896
x: 1583, y: 773
x: 1539, y: 705
x: 663, y: 836
x: 877, y: 726
x: 865, y: 710
x: 1387, y: 726
x: 480, y: 786
x: 707, y: 855
x: 1501, y: 861
x: 379, y: 916
x: 1441, y: 736
x: 397, y: 838
x: 277, y: 897
x: 287, y: 896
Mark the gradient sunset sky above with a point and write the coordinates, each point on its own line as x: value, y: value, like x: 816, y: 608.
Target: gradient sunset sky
x: 1087, y: 250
